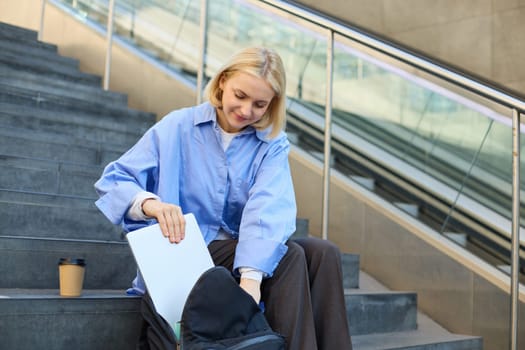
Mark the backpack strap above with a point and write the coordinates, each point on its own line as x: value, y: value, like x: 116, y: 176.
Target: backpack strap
x: 156, y: 333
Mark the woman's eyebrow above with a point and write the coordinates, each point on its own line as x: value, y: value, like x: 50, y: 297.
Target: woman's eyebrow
x: 240, y: 91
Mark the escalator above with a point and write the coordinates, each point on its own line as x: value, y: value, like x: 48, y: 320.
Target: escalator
x: 349, y: 158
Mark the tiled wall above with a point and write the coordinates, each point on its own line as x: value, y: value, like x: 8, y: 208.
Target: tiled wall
x: 486, y: 37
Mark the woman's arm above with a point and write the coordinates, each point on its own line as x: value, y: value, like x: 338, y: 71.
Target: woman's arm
x: 122, y: 180
x: 269, y: 214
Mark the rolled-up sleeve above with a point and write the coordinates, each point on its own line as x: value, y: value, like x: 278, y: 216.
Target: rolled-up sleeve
x: 135, y: 171
x: 268, y: 218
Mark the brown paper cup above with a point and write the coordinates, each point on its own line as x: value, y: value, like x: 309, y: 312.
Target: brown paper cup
x: 71, y: 272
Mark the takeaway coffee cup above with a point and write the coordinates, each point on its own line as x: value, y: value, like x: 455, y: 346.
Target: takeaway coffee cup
x: 71, y: 273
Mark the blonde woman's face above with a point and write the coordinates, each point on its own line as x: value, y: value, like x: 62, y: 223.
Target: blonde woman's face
x: 245, y: 99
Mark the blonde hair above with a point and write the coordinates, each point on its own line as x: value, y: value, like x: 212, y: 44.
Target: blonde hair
x: 263, y: 63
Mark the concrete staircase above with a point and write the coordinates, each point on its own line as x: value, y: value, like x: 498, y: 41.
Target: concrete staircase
x: 58, y: 129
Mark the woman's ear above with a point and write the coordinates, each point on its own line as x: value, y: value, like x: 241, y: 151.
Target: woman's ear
x: 222, y: 81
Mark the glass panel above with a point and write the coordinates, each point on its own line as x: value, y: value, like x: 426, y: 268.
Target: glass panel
x: 94, y: 10
x: 233, y: 25
x: 434, y: 129
x: 168, y: 30
x: 165, y: 30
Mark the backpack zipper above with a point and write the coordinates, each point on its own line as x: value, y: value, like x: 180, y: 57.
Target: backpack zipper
x: 254, y: 341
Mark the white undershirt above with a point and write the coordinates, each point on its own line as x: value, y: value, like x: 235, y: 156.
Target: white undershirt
x: 226, y: 138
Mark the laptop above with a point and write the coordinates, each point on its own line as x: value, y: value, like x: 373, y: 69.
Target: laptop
x: 170, y: 270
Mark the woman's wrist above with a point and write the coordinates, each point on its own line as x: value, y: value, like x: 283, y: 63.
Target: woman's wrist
x: 252, y: 287
x: 144, y: 202
x: 135, y: 211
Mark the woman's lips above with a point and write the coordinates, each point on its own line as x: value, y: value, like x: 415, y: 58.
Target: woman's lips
x: 240, y: 118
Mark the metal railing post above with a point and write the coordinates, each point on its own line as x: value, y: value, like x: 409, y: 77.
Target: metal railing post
x: 109, y: 40
x: 327, y: 133
x: 42, y: 12
x: 514, y: 292
x: 202, y: 58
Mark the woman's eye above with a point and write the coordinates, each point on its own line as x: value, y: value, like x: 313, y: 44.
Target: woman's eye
x: 239, y: 96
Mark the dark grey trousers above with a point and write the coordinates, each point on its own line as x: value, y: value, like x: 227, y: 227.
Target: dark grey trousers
x: 304, y: 299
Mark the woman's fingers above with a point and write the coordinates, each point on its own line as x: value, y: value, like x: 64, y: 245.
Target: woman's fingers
x: 182, y: 225
x: 178, y: 224
x: 169, y: 216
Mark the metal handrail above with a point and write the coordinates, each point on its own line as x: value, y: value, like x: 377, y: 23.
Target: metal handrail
x: 42, y: 15
x: 202, y: 34
x: 460, y: 79
x: 515, y: 262
x: 327, y: 132
x: 109, y: 45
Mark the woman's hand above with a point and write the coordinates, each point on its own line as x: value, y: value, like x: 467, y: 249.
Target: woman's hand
x: 252, y: 287
x: 169, y: 217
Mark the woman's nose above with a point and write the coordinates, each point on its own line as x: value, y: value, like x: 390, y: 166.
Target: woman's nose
x: 246, y: 109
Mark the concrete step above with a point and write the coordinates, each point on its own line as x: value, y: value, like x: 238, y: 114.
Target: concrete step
x: 11, y: 31
x: 32, y: 262
x: 58, y: 147
x: 48, y: 101
x: 53, y: 216
x: 48, y: 176
x: 100, y: 319
x: 10, y: 48
x: 39, y: 83
x: 380, y: 312
x: 20, y: 50
x: 21, y: 308
x: 82, y: 126
x: 351, y: 267
x: 301, y: 228
x: 375, y: 311
x: 39, y: 316
x: 58, y: 137
x: 24, y: 36
x: 427, y: 335
x: 49, y: 69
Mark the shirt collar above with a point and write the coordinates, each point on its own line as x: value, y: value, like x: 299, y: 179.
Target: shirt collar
x: 206, y: 113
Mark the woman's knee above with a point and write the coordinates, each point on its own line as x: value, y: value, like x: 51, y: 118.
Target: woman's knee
x: 295, y: 251
x: 293, y: 260
x: 313, y: 246
x: 291, y: 271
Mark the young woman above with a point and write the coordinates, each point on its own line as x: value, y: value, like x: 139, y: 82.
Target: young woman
x: 226, y: 161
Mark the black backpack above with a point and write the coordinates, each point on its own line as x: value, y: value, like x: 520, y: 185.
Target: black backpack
x: 220, y: 315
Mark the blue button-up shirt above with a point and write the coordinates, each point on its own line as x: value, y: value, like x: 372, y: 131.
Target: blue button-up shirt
x: 246, y: 190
